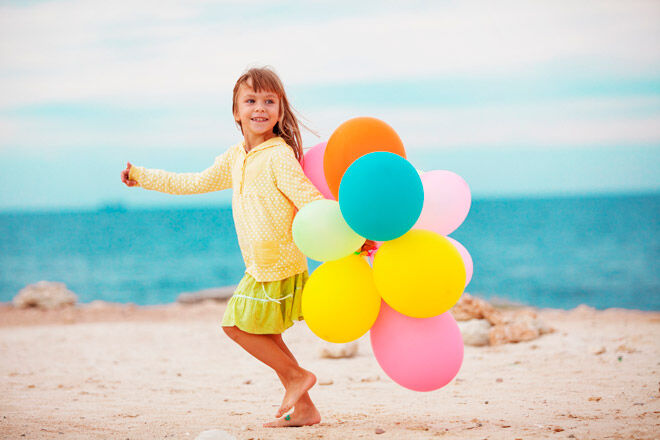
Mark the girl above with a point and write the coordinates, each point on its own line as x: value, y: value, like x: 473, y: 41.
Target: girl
x: 269, y: 187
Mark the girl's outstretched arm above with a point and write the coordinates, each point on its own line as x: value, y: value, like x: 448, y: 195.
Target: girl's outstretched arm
x: 215, y: 178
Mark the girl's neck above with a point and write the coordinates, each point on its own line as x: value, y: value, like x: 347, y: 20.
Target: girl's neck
x: 252, y: 140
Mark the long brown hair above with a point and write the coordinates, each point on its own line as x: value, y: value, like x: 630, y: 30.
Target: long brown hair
x: 265, y: 79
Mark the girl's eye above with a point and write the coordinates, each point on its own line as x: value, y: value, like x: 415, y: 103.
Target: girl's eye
x: 250, y: 101
x: 270, y: 101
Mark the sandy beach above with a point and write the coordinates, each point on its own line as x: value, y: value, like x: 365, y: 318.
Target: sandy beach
x: 105, y: 371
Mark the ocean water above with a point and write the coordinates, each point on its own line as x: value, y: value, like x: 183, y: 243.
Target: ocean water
x: 555, y: 252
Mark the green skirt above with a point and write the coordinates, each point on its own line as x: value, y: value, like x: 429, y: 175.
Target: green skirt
x: 268, y: 307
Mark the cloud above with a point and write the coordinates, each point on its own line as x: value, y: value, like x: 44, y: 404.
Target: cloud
x: 159, y: 74
x: 568, y: 122
x: 153, y: 51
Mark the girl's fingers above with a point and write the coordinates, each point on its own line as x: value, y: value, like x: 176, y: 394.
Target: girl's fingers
x: 126, y: 180
x: 127, y: 170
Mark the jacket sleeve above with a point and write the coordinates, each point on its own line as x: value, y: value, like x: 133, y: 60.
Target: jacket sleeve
x: 291, y: 180
x: 215, y: 178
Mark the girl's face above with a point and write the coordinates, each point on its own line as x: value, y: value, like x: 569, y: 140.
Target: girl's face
x: 257, y: 112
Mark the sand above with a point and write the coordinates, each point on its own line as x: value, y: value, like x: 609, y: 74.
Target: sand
x: 127, y: 372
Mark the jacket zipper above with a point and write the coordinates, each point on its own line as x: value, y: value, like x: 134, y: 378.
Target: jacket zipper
x: 243, y: 173
x: 244, y: 166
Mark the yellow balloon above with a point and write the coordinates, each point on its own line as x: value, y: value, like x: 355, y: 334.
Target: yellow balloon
x: 420, y: 274
x: 340, y: 302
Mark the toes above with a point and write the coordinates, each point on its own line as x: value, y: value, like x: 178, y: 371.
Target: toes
x: 279, y: 423
x: 299, y: 420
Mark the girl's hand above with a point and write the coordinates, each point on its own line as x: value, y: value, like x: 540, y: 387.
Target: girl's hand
x: 368, y: 247
x: 124, y: 176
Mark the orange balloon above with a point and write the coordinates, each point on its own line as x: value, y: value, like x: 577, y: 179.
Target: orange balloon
x: 352, y: 140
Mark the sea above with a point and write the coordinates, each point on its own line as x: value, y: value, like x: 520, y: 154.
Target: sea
x: 559, y: 252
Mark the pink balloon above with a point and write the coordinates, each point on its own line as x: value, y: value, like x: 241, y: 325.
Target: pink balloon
x: 467, y: 259
x: 421, y: 354
x: 373, y: 254
x: 447, y: 201
x: 313, y: 168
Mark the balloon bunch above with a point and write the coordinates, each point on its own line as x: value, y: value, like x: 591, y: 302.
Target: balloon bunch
x: 373, y: 192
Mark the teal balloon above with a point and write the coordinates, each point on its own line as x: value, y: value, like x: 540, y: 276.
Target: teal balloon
x: 321, y: 233
x: 381, y: 196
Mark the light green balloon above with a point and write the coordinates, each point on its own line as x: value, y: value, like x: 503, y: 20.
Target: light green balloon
x: 321, y: 233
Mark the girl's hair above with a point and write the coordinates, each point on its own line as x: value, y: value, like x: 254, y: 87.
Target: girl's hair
x: 265, y: 79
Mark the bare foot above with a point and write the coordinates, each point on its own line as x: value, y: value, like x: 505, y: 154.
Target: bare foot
x: 306, y: 417
x: 294, y: 390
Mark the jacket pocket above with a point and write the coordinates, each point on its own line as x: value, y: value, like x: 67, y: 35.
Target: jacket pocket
x: 266, y: 253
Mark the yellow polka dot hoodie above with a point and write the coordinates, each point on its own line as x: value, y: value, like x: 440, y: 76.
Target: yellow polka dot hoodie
x: 269, y: 187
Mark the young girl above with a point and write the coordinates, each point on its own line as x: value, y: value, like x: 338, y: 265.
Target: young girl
x: 269, y: 187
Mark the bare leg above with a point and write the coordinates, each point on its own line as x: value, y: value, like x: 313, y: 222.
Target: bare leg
x: 305, y: 412
x: 296, y: 380
x: 280, y: 342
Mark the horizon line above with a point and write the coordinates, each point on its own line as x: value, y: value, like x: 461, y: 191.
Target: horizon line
x: 120, y: 206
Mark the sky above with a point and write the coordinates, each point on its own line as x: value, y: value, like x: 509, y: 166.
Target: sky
x: 522, y: 99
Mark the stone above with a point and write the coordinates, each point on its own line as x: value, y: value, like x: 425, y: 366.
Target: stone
x: 338, y: 351
x: 215, y: 434
x: 583, y: 310
x: 475, y: 332
x: 519, y: 326
x: 470, y: 307
x: 504, y: 334
x: 217, y: 294
x: 45, y: 295
x: 370, y: 379
x: 623, y: 348
x: 517, y: 331
x: 514, y: 324
x: 98, y: 305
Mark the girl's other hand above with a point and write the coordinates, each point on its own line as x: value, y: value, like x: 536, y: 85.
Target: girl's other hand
x: 124, y: 176
x: 368, y: 247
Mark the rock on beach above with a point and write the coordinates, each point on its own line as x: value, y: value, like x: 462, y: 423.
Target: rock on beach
x: 338, y: 351
x: 45, y: 295
x: 482, y: 324
x: 475, y: 332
